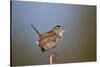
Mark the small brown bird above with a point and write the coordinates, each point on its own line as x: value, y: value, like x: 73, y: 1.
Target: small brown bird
x: 48, y: 40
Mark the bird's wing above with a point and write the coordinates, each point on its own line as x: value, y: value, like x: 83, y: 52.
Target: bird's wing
x: 47, y: 38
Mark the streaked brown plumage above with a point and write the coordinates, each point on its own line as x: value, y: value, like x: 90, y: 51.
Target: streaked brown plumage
x: 48, y: 40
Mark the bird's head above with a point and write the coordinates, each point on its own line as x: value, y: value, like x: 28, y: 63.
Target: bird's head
x: 58, y: 29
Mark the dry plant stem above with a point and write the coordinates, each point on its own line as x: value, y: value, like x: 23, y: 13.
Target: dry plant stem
x: 53, y: 57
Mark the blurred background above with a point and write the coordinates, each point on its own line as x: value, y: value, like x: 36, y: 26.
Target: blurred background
x: 79, y: 39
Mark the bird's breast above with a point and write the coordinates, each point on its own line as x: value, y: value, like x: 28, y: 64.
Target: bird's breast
x: 60, y: 34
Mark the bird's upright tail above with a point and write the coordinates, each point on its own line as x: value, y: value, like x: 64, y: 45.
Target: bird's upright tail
x: 35, y: 30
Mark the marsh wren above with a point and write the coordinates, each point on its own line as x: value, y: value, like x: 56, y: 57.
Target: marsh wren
x: 48, y: 40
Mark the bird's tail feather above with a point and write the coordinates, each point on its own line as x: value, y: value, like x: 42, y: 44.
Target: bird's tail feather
x: 35, y: 30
